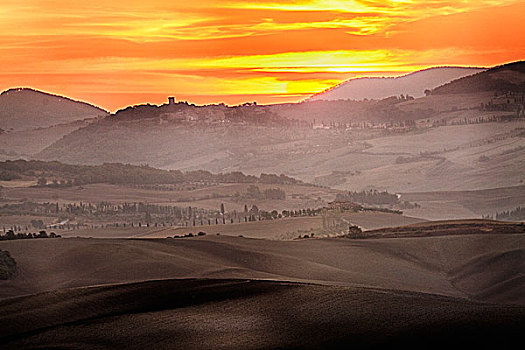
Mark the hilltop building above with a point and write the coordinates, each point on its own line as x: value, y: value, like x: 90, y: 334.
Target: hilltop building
x: 171, y: 100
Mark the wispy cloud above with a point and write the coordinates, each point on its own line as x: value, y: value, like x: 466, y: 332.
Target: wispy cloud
x: 228, y: 48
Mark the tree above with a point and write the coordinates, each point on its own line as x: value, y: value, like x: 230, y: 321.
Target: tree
x: 38, y: 224
x: 10, y: 234
x: 222, y: 209
x: 253, y: 192
x: 7, y: 265
x: 42, y: 181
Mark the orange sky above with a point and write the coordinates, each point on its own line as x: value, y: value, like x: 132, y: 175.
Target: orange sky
x: 115, y: 53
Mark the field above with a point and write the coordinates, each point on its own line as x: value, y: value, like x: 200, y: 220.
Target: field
x: 285, y: 229
x: 209, y: 197
x: 441, y: 159
x: 280, y: 229
x: 224, y: 291
x: 475, y: 265
x: 464, y: 204
x: 246, y: 314
x: 454, y: 159
x: 438, y: 205
x: 231, y: 195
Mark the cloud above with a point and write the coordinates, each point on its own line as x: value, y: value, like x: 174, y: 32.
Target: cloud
x: 234, y: 48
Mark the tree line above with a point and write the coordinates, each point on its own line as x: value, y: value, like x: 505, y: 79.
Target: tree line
x: 368, y: 197
x: 270, y: 193
x: 11, y: 235
x: 57, y: 174
x: 517, y: 214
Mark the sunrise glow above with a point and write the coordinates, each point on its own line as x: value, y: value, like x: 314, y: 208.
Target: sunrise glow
x: 117, y: 53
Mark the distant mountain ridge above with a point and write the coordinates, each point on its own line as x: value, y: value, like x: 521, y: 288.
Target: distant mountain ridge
x: 509, y: 77
x: 26, y: 109
x: 413, y: 84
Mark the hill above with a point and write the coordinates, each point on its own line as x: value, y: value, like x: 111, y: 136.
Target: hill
x: 26, y: 109
x: 408, y: 159
x: 247, y: 314
x: 483, y: 265
x: 506, y: 78
x: 118, y: 173
x: 413, y: 84
x: 26, y: 143
x: 232, y: 292
x: 441, y: 142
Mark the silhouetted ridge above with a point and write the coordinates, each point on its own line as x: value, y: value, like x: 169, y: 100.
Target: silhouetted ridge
x: 413, y: 84
x: 42, y: 93
x: 508, y: 77
x: 26, y: 109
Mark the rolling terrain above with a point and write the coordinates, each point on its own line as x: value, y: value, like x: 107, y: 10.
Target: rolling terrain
x: 117, y: 200
x: 464, y: 204
x: 508, y: 77
x: 383, y: 212
x: 451, y: 140
x: 26, y: 143
x: 484, y: 262
x: 453, y: 151
x: 413, y: 84
x: 27, y: 109
x: 220, y: 291
x: 31, y: 120
x: 203, y: 314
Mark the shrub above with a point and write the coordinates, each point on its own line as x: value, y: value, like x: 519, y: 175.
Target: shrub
x: 7, y: 265
x: 483, y: 158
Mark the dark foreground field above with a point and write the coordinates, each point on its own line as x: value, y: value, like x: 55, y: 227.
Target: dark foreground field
x: 248, y: 314
x: 427, y: 285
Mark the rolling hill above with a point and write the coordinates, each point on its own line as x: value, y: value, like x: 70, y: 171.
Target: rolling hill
x: 441, y: 142
x: 26, y: 143
x: 248, y: 314
x: 413, y: 84
x: 506, y: 78
x: 427, y: 159
x: 26, y: 109
x: 483, y: 263
x: 448, y: 288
